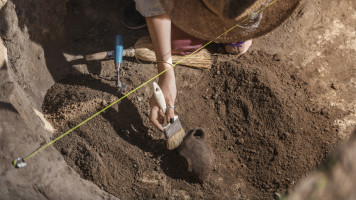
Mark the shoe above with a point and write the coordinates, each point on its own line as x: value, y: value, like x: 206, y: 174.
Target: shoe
x: 132, y: 19
x: 238, y: 48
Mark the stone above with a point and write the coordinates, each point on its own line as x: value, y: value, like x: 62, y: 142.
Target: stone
x: 277, y: 196
x: 277, y: 57
x: 335, y: 86
x: 240, y: 140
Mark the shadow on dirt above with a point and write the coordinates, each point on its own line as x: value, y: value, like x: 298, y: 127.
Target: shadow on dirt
x: 176, y: 167
x: 123, y: 120
x: 74, y: 27
x: 134, y: 131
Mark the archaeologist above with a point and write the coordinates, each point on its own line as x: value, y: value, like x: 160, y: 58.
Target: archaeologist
x: 183, y: 26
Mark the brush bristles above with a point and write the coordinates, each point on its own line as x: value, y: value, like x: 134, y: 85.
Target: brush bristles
x: 176, y: 139
x: 144, y: 51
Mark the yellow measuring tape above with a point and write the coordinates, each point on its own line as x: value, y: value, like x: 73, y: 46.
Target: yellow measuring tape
x: 15, y: 162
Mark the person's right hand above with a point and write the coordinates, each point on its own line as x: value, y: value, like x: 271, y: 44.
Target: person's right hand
x: 168, y: 86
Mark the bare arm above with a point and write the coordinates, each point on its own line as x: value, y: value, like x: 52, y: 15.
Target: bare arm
x: 160, y: 31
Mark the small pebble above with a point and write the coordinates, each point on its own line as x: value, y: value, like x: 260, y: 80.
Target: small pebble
x: 103, y: 103
x: 335, y: 86
x: 286, y: 135
x: 277, y: 196
x: 218, y: 72
x: 324, y: 111
x: 277, y: 57
x: 139, y: 98
x: 240, y: 141
x: 225, y: 137
x: 221, y: 128
x: 64, y: 152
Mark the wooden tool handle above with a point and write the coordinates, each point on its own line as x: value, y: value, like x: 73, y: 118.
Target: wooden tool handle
x: 109, y: 55
x: 100, y: 56
x: 158, y: 94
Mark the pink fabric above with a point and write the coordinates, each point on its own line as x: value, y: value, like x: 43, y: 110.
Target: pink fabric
x: 183, y: 43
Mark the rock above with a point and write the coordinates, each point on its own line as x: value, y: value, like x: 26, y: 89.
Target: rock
x: 103, y: 102
x: 64, y: 151
x: 139, y: 99
x: 221, y: 128
x: 277, y: 57
x: 240, y: 141
x: 277, y: 196
x: 324, y: 111
x: 335, y: 86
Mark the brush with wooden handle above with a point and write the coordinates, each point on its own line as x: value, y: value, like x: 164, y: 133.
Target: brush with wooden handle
x: 143, y: 50
x: 174, y: 132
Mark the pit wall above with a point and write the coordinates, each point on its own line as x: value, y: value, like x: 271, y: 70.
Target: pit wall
x: 24, y: 80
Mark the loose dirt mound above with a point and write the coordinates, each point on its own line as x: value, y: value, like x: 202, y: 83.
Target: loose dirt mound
x: 259, y: 121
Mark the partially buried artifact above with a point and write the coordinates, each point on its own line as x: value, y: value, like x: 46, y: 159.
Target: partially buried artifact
x: 198, y: 154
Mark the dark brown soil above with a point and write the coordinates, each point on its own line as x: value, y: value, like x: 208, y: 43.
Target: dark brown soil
x: 268, y: 115
x: 264, y: 131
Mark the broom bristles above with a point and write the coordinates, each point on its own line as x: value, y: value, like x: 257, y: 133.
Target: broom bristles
x: 144, y: 51
x: 176, y: 139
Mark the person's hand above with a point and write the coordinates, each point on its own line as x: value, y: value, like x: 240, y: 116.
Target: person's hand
x: 168, y: 86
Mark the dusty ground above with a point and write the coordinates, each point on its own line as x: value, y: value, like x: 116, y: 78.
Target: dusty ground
x: 272, y: 116
x: 260, y: 122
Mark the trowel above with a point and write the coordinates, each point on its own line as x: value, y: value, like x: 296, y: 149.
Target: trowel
x: 119, y: 48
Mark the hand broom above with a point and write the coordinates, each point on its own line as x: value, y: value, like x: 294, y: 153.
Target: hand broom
x: 143, y: 50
